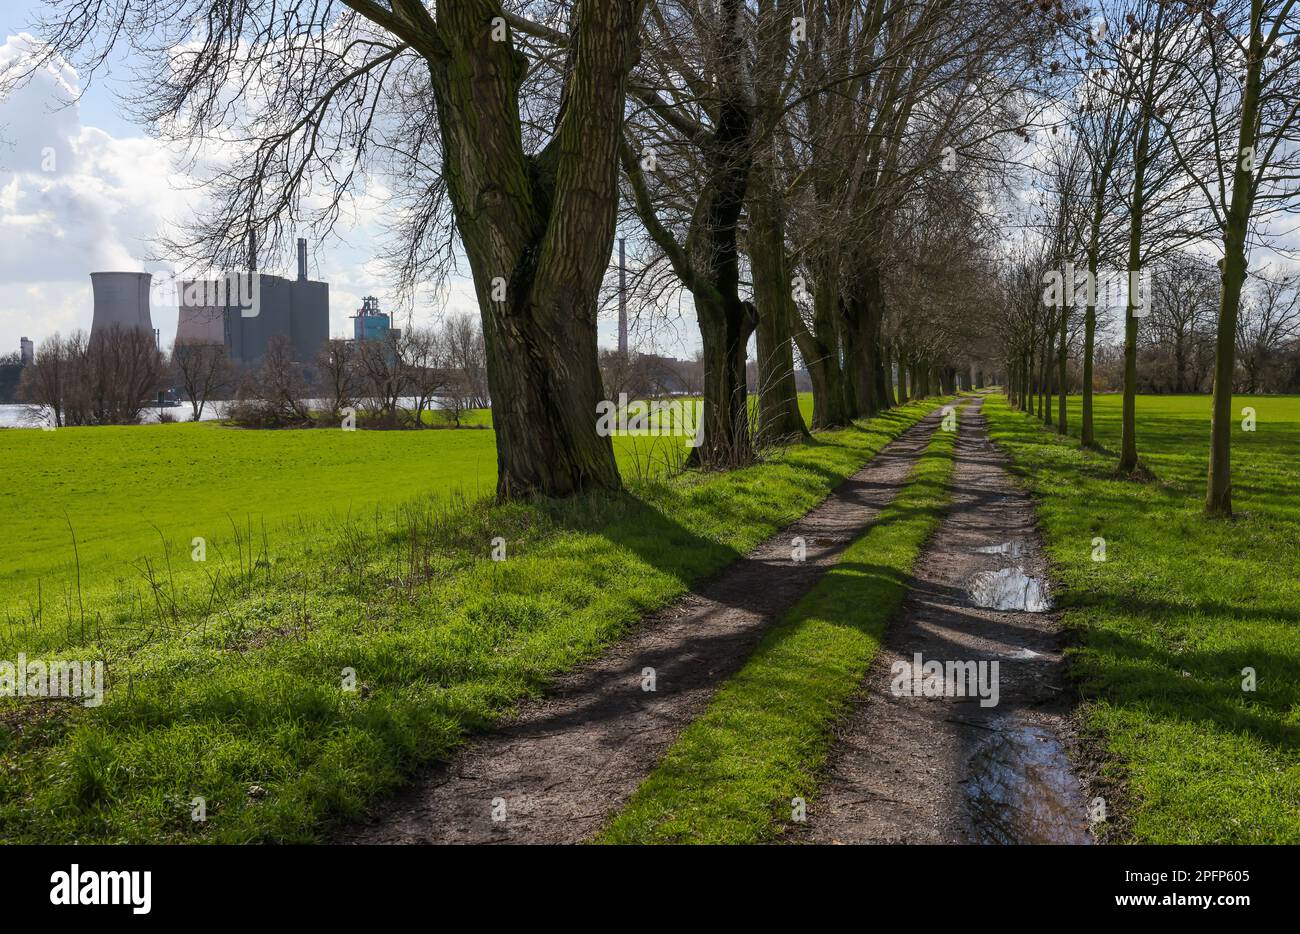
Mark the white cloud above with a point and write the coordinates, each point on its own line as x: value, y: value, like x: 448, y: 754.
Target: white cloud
x: 75, y: 199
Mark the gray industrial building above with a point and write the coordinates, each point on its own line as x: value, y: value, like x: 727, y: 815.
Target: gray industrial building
x: 26, y: 351
x: 213, y: 311
x: 121, y: 298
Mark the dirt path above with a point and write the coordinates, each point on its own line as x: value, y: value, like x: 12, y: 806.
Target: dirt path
x: 948, y: 769
x: 558, y: 771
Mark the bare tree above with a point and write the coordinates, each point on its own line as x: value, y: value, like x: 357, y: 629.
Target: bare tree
x: 204, y: 372
x: 48, y: 382
x: 1241, y: 63
x: 1182, y: 314
x: 386, y: 375
x: 463, y: 340
x: 275, y: 394
x: 1269, y: 320
x: 1143, y: 48
x: 623, y: 373
x: 427, y: 359
x: 1104, y: 126
x: 445, y: 94
x: 338, y: 367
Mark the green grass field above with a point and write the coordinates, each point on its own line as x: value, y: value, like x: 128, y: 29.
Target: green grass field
x: 124, y: 492
x: 236, y: 686
x: 1181, y: 606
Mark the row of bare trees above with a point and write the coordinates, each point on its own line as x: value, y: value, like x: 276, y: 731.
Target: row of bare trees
x: 112, y: 377
x: 105, y: 379
x: 1175, y: 340
x: 393, y: 380
x: 825, y: 179
x: 405, y: 374
x: 1178, y: 138
x: 811, y: 176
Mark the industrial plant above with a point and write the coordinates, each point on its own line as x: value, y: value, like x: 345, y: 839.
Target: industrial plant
x: 241, y: 310
x: 371, y: 324
x: 244, y: 311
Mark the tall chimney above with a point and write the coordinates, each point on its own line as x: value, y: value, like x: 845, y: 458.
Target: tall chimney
x: 252, y: 251
x: 302, y: 259
x: 622, y: 296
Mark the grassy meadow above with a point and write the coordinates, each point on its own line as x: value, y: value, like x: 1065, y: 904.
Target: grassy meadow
x: 142, y: 493
x: 1181, y: 606
x: 302, y: 672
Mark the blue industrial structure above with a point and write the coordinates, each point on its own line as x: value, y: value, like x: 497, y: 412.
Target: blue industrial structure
x: 371, y: 324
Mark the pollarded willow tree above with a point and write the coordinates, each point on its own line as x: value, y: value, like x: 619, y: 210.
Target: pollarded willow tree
x: 687, y: 156
x: 929, y: 91
x: 308, y: 97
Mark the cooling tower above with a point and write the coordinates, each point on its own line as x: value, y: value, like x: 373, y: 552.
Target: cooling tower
x: 121, y: 298
x: 202, y: 317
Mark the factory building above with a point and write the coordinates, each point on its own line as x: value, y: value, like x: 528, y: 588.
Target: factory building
x: 121, y: 298
x: 245, y: 310
x: 371, y: 324
x: 26, y: 351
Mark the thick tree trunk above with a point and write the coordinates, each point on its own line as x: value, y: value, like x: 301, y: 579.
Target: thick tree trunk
x: 887, y: 373
x: 855, y: 386
x: 820, y: 352
x: 724, y: 334
x: 779, y: 415
x: 538, y: 231
x: 828, y: 410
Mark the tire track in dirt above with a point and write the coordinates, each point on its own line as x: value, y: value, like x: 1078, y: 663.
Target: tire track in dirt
x: 945, y: 769
x: 568, y: 761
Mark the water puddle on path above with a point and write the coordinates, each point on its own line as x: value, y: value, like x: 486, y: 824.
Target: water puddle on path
x: 1012, y: 549
x: 1020, y: 789
x: 1009, y: 589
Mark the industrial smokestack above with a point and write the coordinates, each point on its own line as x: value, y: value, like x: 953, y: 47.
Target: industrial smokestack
x: 302, y: 259
x: 623, y: 297
x: 252, y: 251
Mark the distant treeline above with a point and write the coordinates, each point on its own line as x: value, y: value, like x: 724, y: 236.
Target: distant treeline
x: 11, y: 370
x: 111, y: 377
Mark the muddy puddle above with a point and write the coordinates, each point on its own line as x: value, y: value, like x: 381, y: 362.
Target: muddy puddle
x: 1015, y: 548
x: 1009, y: 589
x: 1019, y: 789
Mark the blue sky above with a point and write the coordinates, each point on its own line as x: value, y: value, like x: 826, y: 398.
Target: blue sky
x: 109, y: 189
